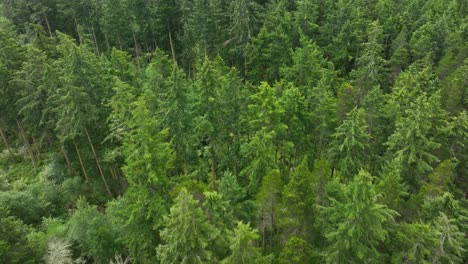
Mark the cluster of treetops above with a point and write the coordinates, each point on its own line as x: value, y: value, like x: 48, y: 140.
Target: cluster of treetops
x: 233, y: 131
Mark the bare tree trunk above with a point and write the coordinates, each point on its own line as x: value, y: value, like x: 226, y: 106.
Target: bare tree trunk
x: 81, y: 161
x: 107, y: 40
x: 67, y: 159
x: 36, y: 146
x: 213, y: 165
x: 95, y: 41
x: 172, y: 49
x: 6, y: 143
x: 48, y: 25
x: 98, y: 164
x: 114, y: 176
x: 26, y: 143
x: 137, y: 52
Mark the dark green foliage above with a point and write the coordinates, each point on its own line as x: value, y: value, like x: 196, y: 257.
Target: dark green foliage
x: 296, y: 250
x: 93, y: 233
x: 244, y: 131
x: 14, y: 245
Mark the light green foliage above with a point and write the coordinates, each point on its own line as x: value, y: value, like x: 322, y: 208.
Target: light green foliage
x: 216, y: 208
x: 296, y: 214
x: 264, y: 121
x: 266, y: 55
x: 458, y: 138
x: 413, y: 141
x: 324, y: 111
x: 34, y: 81
x: 268, y: 200
x: 296, y: 251
x: 439, y: 242
x: 297, y: 119
x: 450, y: 240
x: 243, y: 249
x: 14, y: 245
x: 417, y: 242
x: 236, y: 196
x: 370, y: 63
x: 32, y: 202
x: 187, y: 234
x: 306, y: 70
x: 138, y: 216
x: 93, y: 233
x: 350, y: 145
x: 391, y: 186
x: 81, y: 83
x: 355, y: 223
x: 200, y: 116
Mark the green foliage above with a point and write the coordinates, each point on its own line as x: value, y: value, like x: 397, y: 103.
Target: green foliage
x: 32, y: 202
x: 355, y: 223
x: 14, y: 245
x: 93, y: 233
x: 187, y: 233
x: 177, y: 119
x: 242, y: 248
x: 268, y: 200
x: 296, y: 215
x: 351, y: 144
x: 296, y: 251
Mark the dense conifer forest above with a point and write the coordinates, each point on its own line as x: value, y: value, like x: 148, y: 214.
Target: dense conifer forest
x: 240, y: 131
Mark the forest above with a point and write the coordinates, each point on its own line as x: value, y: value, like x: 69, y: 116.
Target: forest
x: 233, y: 131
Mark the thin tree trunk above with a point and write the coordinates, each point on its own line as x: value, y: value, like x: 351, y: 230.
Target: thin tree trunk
x: 114, y: 176
x: 95, y: 41
x: 213, y: 165
x: 67, y: 159
x: 6, y: 143
x: 26, y: 143
x: 98, y: 164
x: 78, y: 31
x: 36, y: 146
x: 107, y: 40
x: 137, y: 53
x: 172, y: 49
x: 81, y: 161
x: 48, y: 25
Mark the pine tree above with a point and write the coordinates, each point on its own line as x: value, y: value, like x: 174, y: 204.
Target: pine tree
x: 414, y: 139
x: 296, y: 251
x: 351, y: 144
x: 370, y: 69
x: 355, y: 223
x: 187, y: 233
x: 296, y: 216
x: 268, y: 199
x: 243, y: 250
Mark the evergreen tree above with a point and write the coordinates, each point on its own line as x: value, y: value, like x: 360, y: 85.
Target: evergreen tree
x: 297, y: 212
x: 351, y: 144
x: 296, y: 251
x: 370, y: 70
x: 242, y: 248
x: 355, y: 224
x: 268, y: 199
x: 187, y: 233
